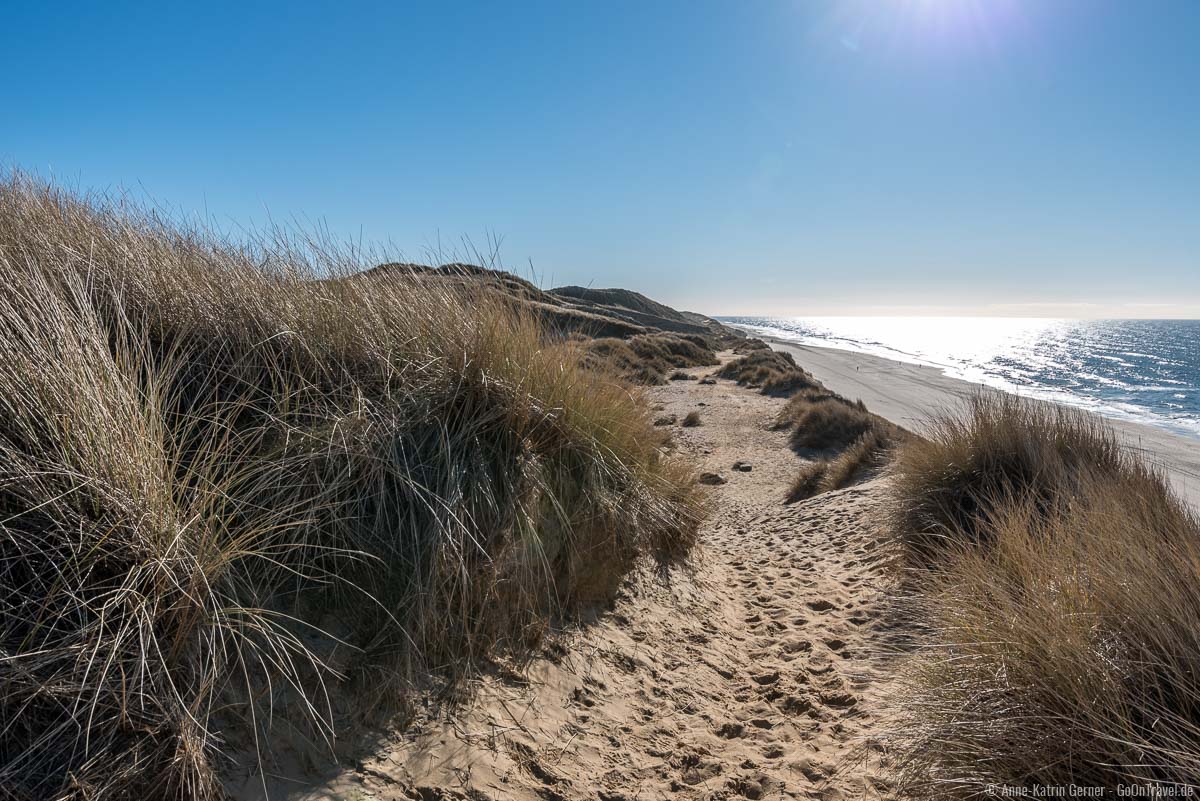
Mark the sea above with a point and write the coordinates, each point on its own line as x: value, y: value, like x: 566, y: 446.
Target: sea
x: 1145, y: 371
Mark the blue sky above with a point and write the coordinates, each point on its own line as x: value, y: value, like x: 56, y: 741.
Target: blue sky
x: 811, y: 156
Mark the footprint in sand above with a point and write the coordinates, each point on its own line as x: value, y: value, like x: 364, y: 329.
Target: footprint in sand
x: 796, y: 704
x: 796, y: 645
x: 765, y: 679
x: 753, y: 787
x: 731, y: 730
x: 773, y: 752
x: 838, y: 700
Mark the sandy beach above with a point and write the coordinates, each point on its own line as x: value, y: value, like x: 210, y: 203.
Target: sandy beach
x: 907, y: 394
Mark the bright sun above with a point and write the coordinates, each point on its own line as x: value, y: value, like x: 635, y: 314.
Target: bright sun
x: 870, y: 25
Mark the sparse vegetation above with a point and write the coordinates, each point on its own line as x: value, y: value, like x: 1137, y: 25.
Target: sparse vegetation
x: 850, y: 441
x: 1059, y: 578
x: 744, y: 345
x: 691, y: 419
x: 206, y: 455
x: 771, y: 371
x: 649, y: 358
x: 864, y: 456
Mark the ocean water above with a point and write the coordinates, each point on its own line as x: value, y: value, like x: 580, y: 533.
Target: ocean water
x: 1147, y: 371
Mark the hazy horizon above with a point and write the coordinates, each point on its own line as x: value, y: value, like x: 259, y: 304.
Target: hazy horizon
x: 1032, y: 311
x: 834, y: 157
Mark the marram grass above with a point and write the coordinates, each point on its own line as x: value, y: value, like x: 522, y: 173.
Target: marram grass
x: 1058, y: 577
x: 208, y: 456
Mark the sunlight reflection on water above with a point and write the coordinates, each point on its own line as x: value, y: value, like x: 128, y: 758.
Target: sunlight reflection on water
x: 1142, y: 370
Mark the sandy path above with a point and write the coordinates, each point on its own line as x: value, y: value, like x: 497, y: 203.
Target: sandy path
x: 753, y: 674
x: 908, y: 393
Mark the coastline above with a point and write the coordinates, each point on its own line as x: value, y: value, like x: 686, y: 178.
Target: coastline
x: 908, y: 394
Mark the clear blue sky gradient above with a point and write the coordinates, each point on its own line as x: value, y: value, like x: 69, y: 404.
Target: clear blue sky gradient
x: 813, y: 156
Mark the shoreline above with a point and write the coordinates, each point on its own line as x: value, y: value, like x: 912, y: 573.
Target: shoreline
x: 1126, y: 409
x: 908, y: 394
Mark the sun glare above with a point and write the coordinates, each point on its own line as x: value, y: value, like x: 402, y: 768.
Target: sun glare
x: 870, y: 25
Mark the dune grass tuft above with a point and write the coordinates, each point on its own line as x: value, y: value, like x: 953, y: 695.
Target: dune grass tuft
x: 746, y: 345
x: 854, y: 463
x: 772, y: 372
x: 207, y: 456
x: 1003, y: 448
x: 1059, y: 578
x: 821, y: 421
x: 650, y: 358
x: 846, y: 443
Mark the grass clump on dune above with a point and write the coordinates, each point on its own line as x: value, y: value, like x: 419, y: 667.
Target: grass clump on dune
x: 1003, y: 448
x: 823, y: 421
x: 771, y: 371
x: 745, y: 345
x: 206, y: 456
x: 850, y: 442
x: 1059, y: 578
x: 855, y: 463
x: 649, y: 358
